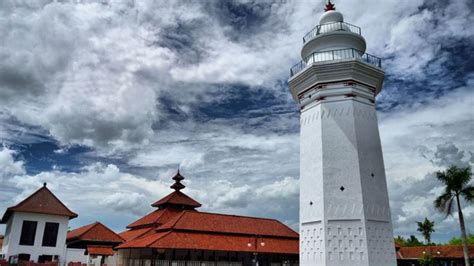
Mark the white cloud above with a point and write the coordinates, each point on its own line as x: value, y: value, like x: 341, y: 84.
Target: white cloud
x: 414, y: 142
x: 91, y: 73
x: 8, y: 166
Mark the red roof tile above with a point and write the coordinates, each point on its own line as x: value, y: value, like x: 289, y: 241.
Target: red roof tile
x: 176, y: 225
x: 156, y: 217
x: 212, y: 241
x: 94, y: 232
x: 434, y: 251
x: 231, y: 224
x: 42, y: 201
x: 134, y: 233
x: 100, y: 250
x: 177, y: 198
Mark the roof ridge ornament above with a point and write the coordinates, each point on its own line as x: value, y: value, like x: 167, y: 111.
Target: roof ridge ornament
x: 177, y: 184
x: 329, y: 6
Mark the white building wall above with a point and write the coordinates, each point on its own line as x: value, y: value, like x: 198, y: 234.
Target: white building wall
x: 13, y: 234
x: 6, y: 239
x: 76, y: 255
x: 340, y: 148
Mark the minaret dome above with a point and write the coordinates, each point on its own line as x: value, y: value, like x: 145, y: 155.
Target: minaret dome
x: 331, y: 16
x: 332, y: 34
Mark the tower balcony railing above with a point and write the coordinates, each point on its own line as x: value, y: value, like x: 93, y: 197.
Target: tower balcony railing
x: 336, y: 55
x: 336, y: 26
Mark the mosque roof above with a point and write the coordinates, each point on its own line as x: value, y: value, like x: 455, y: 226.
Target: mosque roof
x: 177, y: 225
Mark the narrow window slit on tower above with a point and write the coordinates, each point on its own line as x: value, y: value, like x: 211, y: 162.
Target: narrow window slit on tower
x: 342, y: 188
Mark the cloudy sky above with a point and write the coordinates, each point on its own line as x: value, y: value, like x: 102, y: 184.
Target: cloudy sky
x: 104, y: 100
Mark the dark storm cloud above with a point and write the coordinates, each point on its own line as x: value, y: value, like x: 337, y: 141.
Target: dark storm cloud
x: 183, y: 38
x: 243, y: 18
x: 448, y: 154
x: 16, y: 82
x: 442, y: 75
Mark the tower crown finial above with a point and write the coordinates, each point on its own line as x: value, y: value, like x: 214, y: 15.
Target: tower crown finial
x: 329, y: 6
x: 177, y: 184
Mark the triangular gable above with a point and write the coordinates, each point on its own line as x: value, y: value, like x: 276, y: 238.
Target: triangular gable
x: 41, y: 201
x: 94, y: 232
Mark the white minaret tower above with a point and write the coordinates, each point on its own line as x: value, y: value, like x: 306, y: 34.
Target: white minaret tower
x: 344, y: 207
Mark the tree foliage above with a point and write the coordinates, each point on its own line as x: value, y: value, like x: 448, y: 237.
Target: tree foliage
x: 456, y: 187
x: 456, y: 181
x: 458, y: 241
x: 426, y: 228
x: 426, y: 260
x: 412, y: 241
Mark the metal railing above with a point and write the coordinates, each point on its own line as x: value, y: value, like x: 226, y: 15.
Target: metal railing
x: 336, y: 26
x: 335, y: 55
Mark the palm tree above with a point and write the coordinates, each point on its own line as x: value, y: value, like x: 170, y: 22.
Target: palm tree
x: 456, y: 181
x: 426, y: 228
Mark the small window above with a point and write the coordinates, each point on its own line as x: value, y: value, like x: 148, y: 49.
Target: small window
x: 45, y: 258
x: 50, y: 235
x: 28, y: 232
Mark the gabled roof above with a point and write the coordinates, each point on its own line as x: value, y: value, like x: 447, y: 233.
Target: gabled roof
x: 177, y: 198
x: 448, y: 251
x: 94, y: 232
x: 228, y: 224
x: 212, y: 241
x: 42, y: 201
x: 156, y: 217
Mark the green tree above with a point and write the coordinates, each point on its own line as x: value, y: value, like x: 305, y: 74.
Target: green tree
x: 457, y: 240
x: 400, y: 240
x: 412, y: 241
x: 456, y: 181
x: 426, y: 260
x: 426, y: 228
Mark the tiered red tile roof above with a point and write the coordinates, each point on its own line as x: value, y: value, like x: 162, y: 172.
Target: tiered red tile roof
x: 227, y: 224
x: 100, y: 250
x: 440, y: 252
x: 177, y: 225
x: 94, y: 232
x: 42, y: 201
x: 135, y: 233
x: 159, y: 216
x: 177, y: 198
